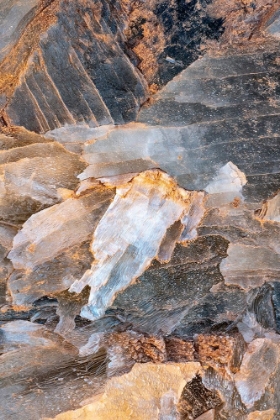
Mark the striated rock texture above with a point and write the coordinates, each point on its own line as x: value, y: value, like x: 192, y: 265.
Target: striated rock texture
x: 54, y: 52
x: 139, y: 210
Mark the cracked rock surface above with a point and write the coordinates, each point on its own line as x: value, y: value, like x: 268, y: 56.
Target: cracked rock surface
x: 139, y: 210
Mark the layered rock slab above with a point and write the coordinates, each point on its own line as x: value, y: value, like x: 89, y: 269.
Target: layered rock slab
x: 55, y: 240
x: 34, y: 176
x: 192, y: 121
x: 62, y: 65
x: 157, y: 201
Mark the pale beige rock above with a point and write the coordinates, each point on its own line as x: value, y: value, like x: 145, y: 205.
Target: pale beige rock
x: 102, y: 170
x: 138, y: 394
x: 50, y: 149
x: 261, y: 415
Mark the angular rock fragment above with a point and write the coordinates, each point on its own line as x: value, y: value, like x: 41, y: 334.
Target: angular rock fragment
x: 50, y: 277
x: 19, y: 137
x: 33, y: 177
x: 61, y: 226
x: 262, y: 415
x: 17, y: 338
x: 175, y: 297
x: 259, y: 362
x: 73, y: 137
x: 208, y: 415
x: 21, y: 334
x: 198, y: 123
x: 178, y: 350
x: 122, y: 249
x: 125, y: 349
x: 226, y: 186
x: 221, y: 381
x: 51, y: 251
x: 250, y: 266
x: 260, y: 318
x: 271, y: 209
x: 7, y: 234
x: 119, y: 168
x: 196, y: 399
x: 140, y: 394
x: 239, y: 224
x: 215, y: 350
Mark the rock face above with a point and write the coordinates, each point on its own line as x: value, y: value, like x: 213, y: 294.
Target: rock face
x: 139, y: 242
x: 76, y: 45
x: 160, y: 387
x: 55, y: 52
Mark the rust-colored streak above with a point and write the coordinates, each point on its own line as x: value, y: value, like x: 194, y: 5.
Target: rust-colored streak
x: 15, y: 63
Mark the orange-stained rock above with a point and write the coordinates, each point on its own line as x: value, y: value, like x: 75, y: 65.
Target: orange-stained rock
x: 138, y: 395
x: 262, y: 415
x: 215, y: 350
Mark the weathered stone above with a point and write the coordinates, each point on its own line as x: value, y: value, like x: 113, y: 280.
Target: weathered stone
x: 209, y: 415
x: 15, y: 16
x: 50, y: 277
x: 262, y: 415
x: 179, y: 350
x: 119, y: 245
x: 175, y: 297
x: 148, y: 258
x: 27, y: 350
x: 34, y: 176
x: 196, y: 399
x: 249, y: 266
x: 32, y: 246
x: 258, y: 364
x: 271, y: 209
x: 215, y: 350
x: 147, y: 383
x: 78, y: 45
x: 7, y: 234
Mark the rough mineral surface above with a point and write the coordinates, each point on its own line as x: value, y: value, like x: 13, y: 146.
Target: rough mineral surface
x: 139, y: 209
x: 157, y: 386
